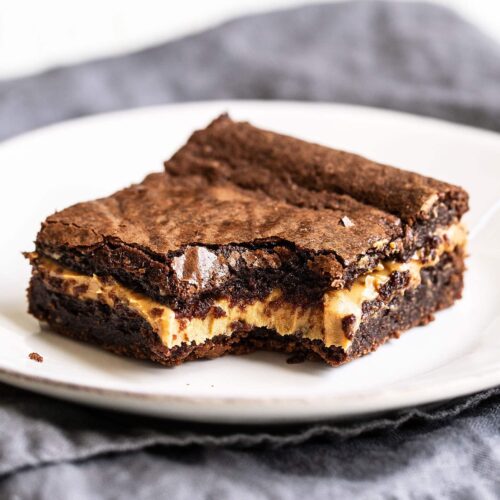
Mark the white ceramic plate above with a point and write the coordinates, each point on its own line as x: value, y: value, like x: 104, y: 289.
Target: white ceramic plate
x: 459, y: 353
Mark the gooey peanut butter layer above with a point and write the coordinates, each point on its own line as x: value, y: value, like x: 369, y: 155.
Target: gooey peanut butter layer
x: 325, y: 323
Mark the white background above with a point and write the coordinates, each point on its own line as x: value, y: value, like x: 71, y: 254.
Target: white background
x: 40, y: 34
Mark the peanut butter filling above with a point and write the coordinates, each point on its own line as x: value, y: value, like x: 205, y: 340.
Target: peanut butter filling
x: 323, y: 322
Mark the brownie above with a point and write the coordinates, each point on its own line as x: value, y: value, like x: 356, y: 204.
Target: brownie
x: 242, y: 219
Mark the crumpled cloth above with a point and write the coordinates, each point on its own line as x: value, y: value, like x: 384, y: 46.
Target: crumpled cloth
x: 415, y: 57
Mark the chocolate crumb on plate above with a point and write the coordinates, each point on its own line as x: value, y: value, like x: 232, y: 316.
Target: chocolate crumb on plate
x: 36, y: 357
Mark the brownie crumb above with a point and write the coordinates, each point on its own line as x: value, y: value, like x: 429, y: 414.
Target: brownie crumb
x: 346, y: 222
x: 36, y: 357
x: 348, y: 323
x: 156, y: 312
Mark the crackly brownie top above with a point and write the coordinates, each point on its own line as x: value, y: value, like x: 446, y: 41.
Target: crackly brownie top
x: 166, y: 213
x: 234, y: 184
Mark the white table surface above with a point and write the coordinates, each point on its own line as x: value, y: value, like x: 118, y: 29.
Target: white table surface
x: 36, y: 35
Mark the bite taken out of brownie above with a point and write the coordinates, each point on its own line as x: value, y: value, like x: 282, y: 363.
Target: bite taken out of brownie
x: 252, y: 240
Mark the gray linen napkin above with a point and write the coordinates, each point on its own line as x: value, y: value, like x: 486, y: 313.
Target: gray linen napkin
x: 414, y: 57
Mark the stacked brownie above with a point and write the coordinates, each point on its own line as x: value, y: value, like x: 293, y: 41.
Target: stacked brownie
x: 252, y: 240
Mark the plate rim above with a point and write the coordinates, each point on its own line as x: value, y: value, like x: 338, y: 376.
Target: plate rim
x: 216, y: 411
